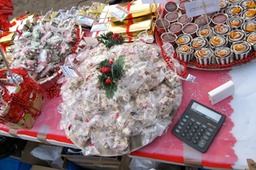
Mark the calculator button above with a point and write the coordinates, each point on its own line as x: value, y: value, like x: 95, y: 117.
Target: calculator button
x: 202, y: 143
x: 194, y: 130
x: 190, y: 124
x: 206, y: 137
x: 208, y: 133
x: 204, y: 126
x: 197, y: 138
x: 195, y: 141
x: 179, y: 127
x: 184, y: 120
x: 210, y: 129
x: 192, y: 119
x: 196, y: 127
x: 199, y: 134
x: 177, y: 130
x: 198, y: 123
x: 202, y: 130
x: 189, y: 138
x: 182, y: 123
x: 186, y: 116
x: 191, y: 134
x: 188, y: 127
x: 183, y: 134
x: 185, y: 131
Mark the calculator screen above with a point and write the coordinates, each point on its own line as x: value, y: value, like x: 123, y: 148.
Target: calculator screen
x: 203, y: 110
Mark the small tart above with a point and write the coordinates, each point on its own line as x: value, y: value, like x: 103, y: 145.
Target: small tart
x: 218, y: 28
x: 185, y: 49
x: 221, y: 53
x: 236, y: 10
x: 215, y: 41
x: 251, y: 38
x: 235, y: 23
x: 250, y: 4
x: 250, y: 13
x: 222, y: 4
x: 202, y: 52
x: 204, y: 32
x: 221, y: 29
x: 235, y: 35
x: 239, y: 47
x: 181, y: 40
x: 196, y: 44
x: 250, y: 27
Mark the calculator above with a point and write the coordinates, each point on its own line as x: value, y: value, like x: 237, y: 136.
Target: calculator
x: 198, y: 126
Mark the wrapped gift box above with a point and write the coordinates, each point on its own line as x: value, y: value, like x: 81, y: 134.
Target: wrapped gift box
x: 20, y: 104
x: 140, y: 19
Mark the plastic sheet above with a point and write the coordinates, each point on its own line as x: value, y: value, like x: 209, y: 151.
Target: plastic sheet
x: 50, y: 154
x: 143, y: 105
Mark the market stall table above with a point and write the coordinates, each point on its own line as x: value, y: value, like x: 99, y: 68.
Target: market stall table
x: 230, y: 149
x: 233, y: 144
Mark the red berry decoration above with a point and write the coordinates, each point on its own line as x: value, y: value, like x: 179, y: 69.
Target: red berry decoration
x: 104, y: 69
x: 110, y: 62
x: 108, y: 81
x: 111, y: 72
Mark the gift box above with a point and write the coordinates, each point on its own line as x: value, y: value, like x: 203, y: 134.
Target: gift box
x: 130, y: 28
x: 141, y: 18
x: 21, y: 97
x: 136, y: 9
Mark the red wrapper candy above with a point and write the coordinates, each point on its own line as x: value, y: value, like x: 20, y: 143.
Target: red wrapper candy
x: 20, y: 104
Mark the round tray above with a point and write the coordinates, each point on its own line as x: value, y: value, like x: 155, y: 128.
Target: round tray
x: 216, y: 67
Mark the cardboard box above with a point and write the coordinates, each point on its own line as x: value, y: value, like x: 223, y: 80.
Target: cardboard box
x: 26, y: 157
x: 99, y: 163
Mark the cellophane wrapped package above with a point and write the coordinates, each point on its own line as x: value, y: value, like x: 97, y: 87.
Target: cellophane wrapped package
x: 21, y: 99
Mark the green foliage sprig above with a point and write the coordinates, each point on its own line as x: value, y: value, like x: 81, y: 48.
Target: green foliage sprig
x: 110, y: 39
x: 111, y: 73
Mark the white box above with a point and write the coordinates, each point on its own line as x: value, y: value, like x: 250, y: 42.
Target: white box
x: 223, y: 91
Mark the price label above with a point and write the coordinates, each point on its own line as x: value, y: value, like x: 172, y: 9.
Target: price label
x: 85, y: 20
x: 200, y: 7
x: 100, y: 27
x: 190, y: 78
x: 68, y: 71
x: 119, y: 13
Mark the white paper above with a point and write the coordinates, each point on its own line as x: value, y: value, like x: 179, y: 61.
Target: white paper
x: 190, y: 78
x: 100, y: 27
x: 119, y: 13
x: 200, y: 7
x: 68, y: 71
x: 85, y: 20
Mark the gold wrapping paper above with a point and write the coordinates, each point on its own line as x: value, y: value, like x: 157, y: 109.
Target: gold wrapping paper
x: 8, y: 38
x: 137, y: 24
x: 137, y: 9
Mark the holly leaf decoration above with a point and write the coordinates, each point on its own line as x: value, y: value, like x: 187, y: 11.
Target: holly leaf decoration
x: 110, y: 90
x: 117, y: 70
x: 111, y: 73
x: 110, y: 39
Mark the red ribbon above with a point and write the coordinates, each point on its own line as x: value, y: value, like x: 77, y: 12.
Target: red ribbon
x: 130, y: 22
